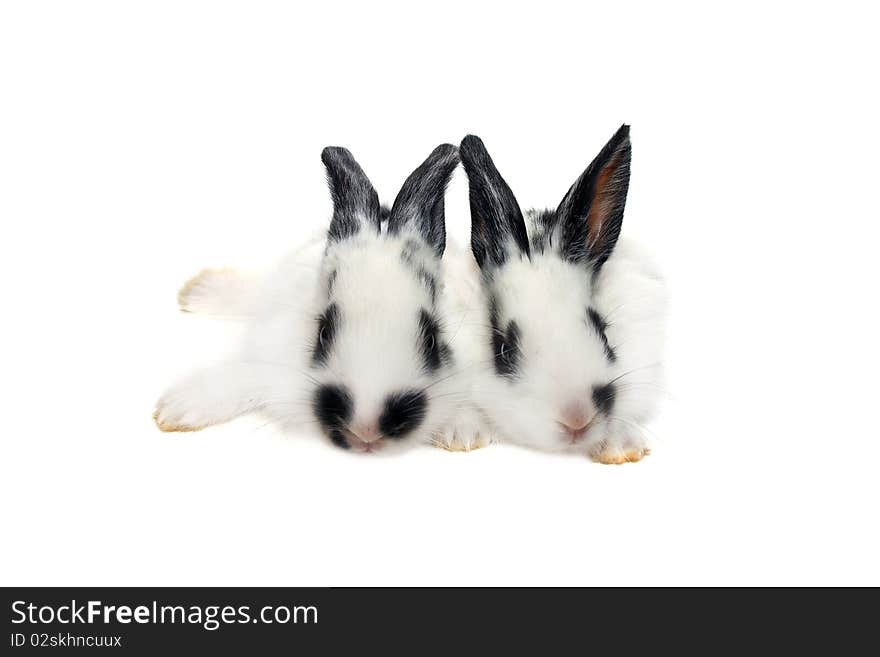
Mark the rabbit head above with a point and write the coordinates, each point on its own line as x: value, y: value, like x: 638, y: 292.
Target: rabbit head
x: 379, y: 347
x: 553, y: 360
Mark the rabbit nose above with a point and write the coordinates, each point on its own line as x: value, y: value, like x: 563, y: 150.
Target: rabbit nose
x: 575, y: 419
x: 366, y: 432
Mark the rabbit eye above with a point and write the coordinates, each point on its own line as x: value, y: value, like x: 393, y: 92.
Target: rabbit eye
x: 432, y: 350
x: 505, y: 342
x: 327, y: 324
x: 599, y: 325
x: 506, y: 347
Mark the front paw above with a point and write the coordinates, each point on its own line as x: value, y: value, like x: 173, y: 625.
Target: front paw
x: 465, y: 434
x: 617, y: 450
x: 175, y: 412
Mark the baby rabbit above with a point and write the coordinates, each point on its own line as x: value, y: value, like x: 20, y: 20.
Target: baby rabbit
x: 575, y: 319
x: 348, y: 333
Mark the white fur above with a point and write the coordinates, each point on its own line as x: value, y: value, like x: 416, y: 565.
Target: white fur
x: 464, y: 308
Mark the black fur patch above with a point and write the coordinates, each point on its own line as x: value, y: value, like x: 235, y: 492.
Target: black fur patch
x: 332, y: 406
x: 542, y: 239
x: 408, y: 255
x: 496, y: 219
x: 328, y: 323
x: 338, y: 439
x: 599, y: 325
x: 354, y: 199
x: 505, y: 342
x: 429, y: 282
x: 604, y: 396
x: 403, y: 413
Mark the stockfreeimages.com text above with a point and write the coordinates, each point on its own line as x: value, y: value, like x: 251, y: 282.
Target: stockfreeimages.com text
x: 211, y: 617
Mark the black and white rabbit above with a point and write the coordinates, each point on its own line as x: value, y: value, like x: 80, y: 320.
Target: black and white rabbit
x: 348, y: 333
x: 575, y: 317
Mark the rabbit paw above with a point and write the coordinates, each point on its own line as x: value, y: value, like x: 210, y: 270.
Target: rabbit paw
x: 617, y: 450
x: 175, y: 412
x: 213, y: 395
x: 465, y: 434
x: 214, y: 292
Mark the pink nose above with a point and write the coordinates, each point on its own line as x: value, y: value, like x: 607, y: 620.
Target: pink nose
x: 366, y: 432
x: 575, y: 419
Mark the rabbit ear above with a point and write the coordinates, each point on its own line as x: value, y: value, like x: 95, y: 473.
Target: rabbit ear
x: 496, y: 220
x: 590, y: 215
x: 420, y: 201
x: 355, y: 202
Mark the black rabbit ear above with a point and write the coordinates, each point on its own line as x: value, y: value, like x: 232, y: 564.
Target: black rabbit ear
x: 591, y: 213
x: 420, y: 201
x: 496, y: 220
x: 355, y: 202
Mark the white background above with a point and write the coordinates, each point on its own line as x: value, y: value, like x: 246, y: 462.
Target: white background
x: 140, y: 142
